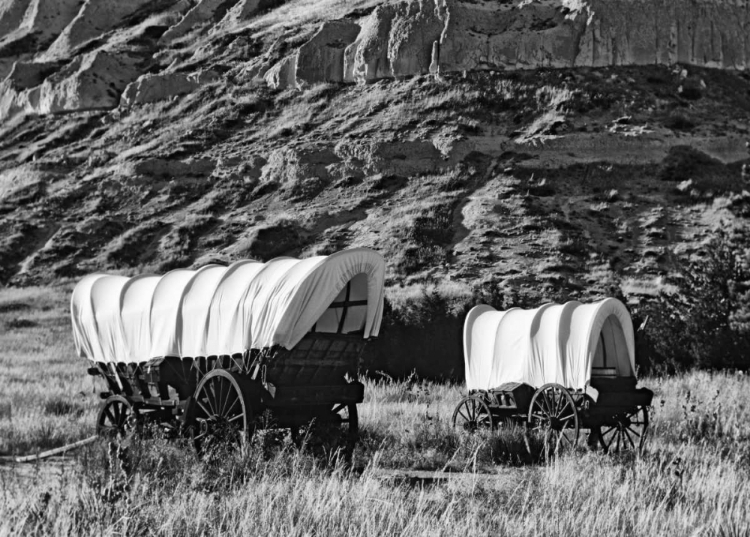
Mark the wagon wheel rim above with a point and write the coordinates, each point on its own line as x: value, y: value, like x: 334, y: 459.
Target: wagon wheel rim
x: 627, y: 433
x: 472, y: 414
x: 114, y: 418
x: 220, y: 413
x: 553, y: 414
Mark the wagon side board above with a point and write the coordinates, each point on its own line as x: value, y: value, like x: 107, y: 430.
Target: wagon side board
x: 319, y: 371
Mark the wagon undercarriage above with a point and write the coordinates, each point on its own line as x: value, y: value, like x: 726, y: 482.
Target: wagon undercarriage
x: 218, y: 398
x: 614, y: 412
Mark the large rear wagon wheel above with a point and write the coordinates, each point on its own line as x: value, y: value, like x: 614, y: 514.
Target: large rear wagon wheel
x: 472, y: 414
x: 626, y: 432
x: 220, y: 413
x: 553, y: 416
x: 115, y: 418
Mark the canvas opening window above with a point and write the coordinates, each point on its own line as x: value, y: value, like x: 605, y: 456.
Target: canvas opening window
x: 348, y: 311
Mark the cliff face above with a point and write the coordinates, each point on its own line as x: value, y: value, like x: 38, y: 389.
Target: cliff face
x: 401, y: 39
x: 449, y: 35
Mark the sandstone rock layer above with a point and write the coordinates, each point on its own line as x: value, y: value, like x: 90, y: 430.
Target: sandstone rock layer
x: 422, y: 36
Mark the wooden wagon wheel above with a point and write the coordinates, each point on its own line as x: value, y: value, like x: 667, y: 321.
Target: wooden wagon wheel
x: 554, y: 415
x: 472, y: 413
x: 115, y: 417
x: 220, y: 412
x: 626, y: 433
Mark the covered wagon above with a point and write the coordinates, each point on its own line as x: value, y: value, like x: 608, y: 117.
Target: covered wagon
x: 559, y: 368
x: 209, y: 351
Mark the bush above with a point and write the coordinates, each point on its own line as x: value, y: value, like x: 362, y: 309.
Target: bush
x: 425, y: 336
x: 684, y: 162
x: 707, y: 323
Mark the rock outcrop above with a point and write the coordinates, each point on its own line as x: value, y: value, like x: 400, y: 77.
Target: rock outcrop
x: 152, y: 88
x: 283, y: 74
x: 91, y: 82
x: 11, y: 14
x: 15, y: 91
x: 43, y: 20
x: 244, y: 9
x: 94, y: 19
x: 204, y: 11
x: 322, y: 58
x: 594, y: 33
x: 411, y: 37
x: 422, y: 36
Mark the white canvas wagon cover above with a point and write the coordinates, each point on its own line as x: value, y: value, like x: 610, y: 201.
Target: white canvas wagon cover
x: 226, y: 310
x: 560, y: 343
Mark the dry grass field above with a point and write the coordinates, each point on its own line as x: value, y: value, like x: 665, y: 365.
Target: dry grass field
x: 693, y: 477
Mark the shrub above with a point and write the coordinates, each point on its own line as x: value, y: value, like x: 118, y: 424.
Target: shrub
x: 684, y: 162
x: 424, y: 335
x: 707, y: 323
x: 678, y: 123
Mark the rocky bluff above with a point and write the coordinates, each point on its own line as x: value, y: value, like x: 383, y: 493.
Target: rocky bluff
x: 67, y: 55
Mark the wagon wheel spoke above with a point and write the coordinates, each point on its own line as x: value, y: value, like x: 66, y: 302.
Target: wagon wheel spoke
x: 630, y: 439
x: 211, y: 395
x: 560, y: 402
x: 464, y: 416
x: 109, y: 414
x: 547, y: 404
x: 234, y: 404
x: 220, y: 399
x: 635, y: 432
x: 203, y: 407
x: 219, y: 395
x: 230, y: 396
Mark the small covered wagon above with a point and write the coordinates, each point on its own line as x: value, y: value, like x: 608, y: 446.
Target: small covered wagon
x: 557, y: 369
x: 219, y: 351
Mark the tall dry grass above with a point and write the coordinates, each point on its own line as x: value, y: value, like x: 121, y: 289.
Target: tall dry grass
x: 692, y: 478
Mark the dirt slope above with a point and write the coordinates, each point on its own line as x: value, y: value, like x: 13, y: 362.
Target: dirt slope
x: 185, y: 132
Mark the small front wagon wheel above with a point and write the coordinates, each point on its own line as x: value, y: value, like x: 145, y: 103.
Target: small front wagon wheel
x: 553, y: 415
x: 220, y: 412
x: 115, y: 417
x: 472, y: 414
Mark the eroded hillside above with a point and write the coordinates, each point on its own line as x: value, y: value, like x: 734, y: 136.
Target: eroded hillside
x: 541, y: 144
